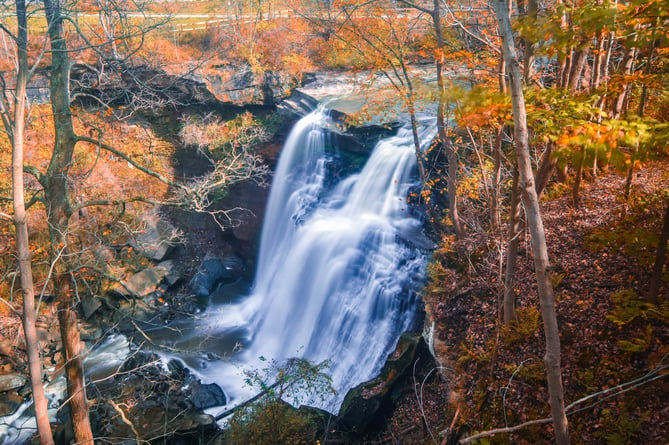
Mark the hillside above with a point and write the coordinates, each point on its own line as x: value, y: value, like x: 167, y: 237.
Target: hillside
x: 614, y: 343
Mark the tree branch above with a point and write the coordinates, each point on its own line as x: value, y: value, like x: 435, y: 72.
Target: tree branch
x: 651, y: 376
x: 127, y: 158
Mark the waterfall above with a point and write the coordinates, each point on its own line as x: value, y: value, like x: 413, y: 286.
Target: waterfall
x: 334, y: 280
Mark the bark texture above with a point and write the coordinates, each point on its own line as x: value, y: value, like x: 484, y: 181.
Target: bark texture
x: 59, y: 212
x: 451, y: 155
x: 512, y: 251
x: 15, y: 126
x: 660, y: 259
x: 536, y: 228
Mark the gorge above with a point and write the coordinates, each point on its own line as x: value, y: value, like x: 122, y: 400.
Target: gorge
x: 341, y: 258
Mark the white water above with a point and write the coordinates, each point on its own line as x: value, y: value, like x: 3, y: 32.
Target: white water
x: 333, y: 279
x: 103, y: 361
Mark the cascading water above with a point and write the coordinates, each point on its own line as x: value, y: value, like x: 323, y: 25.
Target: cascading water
x: 334, y: 280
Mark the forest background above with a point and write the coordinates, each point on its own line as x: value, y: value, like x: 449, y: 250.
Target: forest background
x: 591, y: 77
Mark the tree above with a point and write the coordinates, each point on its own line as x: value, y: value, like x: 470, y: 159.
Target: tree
x: 59, y: 211
x: 535, y: 225
x: 65, y: 200
x: 444, y: 139
x: 377, y: 38
x: 660, y: 259
x: 14, y: 120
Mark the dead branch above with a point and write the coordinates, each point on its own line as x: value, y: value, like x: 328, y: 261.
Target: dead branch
x: 615, y: 391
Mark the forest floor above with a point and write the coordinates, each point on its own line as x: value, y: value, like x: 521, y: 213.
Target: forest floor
x: 615, y: 345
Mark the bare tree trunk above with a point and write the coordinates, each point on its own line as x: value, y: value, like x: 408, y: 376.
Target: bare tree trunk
x: 577, y: 180
x: 451, y: 155
x: 562, y: 78
x: 512, y: 250
x: 660, y: 258
x: 496, y: 179
x: 501, y: 74
x: 581, y: 57
x: 532, y: 11
x: 537, y: 233
x: 629, y: 178
x: 621, y: 100
x: 76, y: 390
x: 59, y: 212
x: 597, y: 68
x: 23, y: 254
x: 546, y: 168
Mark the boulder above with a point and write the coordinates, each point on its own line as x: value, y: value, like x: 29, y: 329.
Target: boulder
x: 364, y: 406
x: 12, y: 381
x: 213, y: 271
x: 157, y: 239
x: 90, y: 304
x: 206, y: 396
x: 137, y: 310
x: 142, y: 283
x: 240, y: 84
x: 172, y: 274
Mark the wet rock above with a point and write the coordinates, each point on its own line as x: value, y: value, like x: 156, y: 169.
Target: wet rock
x: 129, y: 310
x: 89, y: 331
x: 207, y: 395
x: 364, y: 406
x: 12, y: 381
x: 213, y: 271
x: 177, y: 370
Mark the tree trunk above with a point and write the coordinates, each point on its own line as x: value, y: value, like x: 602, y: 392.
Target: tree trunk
x: 20, y: 222
x: 660, y: 258
x: 532, y: 11
x: 512, y: 250
x: 562, y: 79
x: 535, y: 225
x: 447, y: 144
x: 621, y: 100
x: 597, y: 67
x: 546, y: 168
x: 577, y: 180
x: 496, y: 179
x: 59, y: 211
x: 581, y: 57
